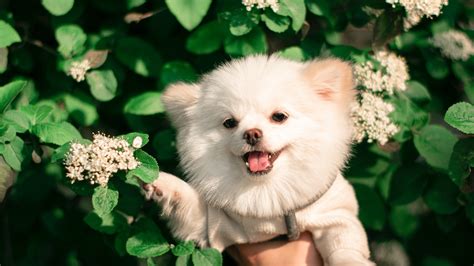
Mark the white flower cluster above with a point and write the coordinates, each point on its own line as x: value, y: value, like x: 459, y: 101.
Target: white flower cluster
x: 392, y: 75
x: 79, y: 69
x: 417, y: 9
x: 97, y: 161
x: 371, y: 120
x: 454, y: 44
x: 261, y: 4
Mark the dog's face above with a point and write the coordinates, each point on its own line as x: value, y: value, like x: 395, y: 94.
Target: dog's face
x: 263, y: 135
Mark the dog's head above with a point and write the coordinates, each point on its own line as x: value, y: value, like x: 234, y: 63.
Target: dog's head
x: 261, y: 136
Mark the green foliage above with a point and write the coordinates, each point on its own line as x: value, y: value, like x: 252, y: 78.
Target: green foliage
x: 416, y: 189
x: 148, y: 169
x: 8, y: 34
x: 461, y: 116
x: 58, y: 7
x: 189, y: 12
x: 104, y: 200
x: 147, y: 103
x: 103, y: 84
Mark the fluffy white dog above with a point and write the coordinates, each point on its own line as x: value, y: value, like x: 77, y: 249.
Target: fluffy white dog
x: 262, y: 141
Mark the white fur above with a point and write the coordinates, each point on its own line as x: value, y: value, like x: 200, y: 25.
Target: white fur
x: 315, y: 139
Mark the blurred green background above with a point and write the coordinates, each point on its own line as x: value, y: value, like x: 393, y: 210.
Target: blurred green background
x: 415, y: 192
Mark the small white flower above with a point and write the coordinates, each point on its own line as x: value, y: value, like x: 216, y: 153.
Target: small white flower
x: 391, y: 76
x: 371, y: 119
x: 79, y: 69
x: 417, y: 9
x: 261, y: 4
x: 454, y: 45
x: 98, y: 161
x: 137, y: 142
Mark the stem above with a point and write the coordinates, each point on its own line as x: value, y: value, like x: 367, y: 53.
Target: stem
x: 40, y: 45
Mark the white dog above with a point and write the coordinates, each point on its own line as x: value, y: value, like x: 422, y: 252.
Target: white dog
x: 262, y: 141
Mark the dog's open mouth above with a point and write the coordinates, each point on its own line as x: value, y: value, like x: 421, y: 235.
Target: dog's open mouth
x: 260, y: 162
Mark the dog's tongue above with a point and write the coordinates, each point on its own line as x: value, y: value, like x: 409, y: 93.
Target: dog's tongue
x: 258, y: 161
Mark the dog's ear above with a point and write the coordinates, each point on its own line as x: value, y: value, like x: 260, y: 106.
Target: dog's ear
x: 331, y: 79
x: 178, y: 99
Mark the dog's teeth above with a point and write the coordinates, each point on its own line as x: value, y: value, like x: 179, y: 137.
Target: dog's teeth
x: 247, y: 164
x: 270, y: 156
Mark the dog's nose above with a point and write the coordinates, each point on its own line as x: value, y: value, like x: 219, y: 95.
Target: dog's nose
x: 253, y: 136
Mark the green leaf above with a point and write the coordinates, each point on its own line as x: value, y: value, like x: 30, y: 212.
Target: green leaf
x: 104, y: 200
x: 295, y: 9
x: 461, y: 161
x: 81, y: 108
x: 139, y: 56
x: 37, y: 114
x: 183, y: 248
x: 175, y: 71
x: 461, y: 116
x: 293, y: 53
x: 417, y: 92
x: 206, y: 257
x: 8, y: 35
x: 403, y: 222
x: 387, y: 26
x: 96, y: 58
x: 275, y: 22
x: 7, y: 133
x: 372, y: 211
x: 319, y: 8
x: 206, y: 39
x: 147, y: 242
x: 131, y: 137
x: 12, y: 153
x: 407, y: 116
x: 437, y: 67
x: 9, y: 91
x: 71, y: 39
x: 147, y: 103
x: 148, y: 169
x: 189, y: 12
x: 242, y: 21
x: 120, y: 241
x: 407, y: 184
x: 58, y: 7
x: 3, y: 59
x: 435, y: 143
x: 184, y: 261
x: 108, y: 223
x: 17, y: 119
x: 441, y: 195
x: 251, y: 43
x: 56, y: 133
x: 103, y: 84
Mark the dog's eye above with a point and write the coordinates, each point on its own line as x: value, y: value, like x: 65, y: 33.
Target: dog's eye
x: 230, y: 123
x: 279, y: 117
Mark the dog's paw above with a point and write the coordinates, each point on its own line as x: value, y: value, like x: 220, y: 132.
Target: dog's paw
x: 165, y: 189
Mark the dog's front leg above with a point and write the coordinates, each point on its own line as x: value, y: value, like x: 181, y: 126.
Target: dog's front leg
x: 182, y: 206
x: 342, y: 241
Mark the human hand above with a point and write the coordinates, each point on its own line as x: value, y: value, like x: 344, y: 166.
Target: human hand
x: 278, y: 252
